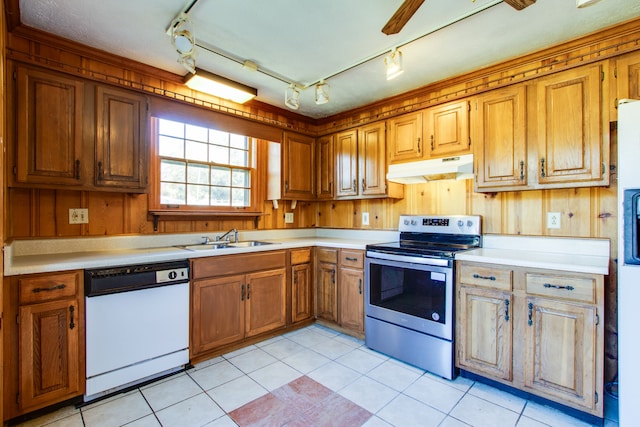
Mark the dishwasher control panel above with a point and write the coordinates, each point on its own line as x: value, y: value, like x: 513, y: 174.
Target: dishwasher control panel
x: 179, y: 274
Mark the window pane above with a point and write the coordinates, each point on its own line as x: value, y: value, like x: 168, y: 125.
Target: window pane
x: 196, y: 133
x: 171, y: 147
x: 240, y: 178
x: 196, y: 151
x: 220, y: 196
x: 238, y: 158
x: 219, y: 154
x: 171, y: 170
x: 238, y: 141
x: 198, y: 195
x: 169, y: 128
x: 198, y: 174
x: 219, y: 138
x: 221, y: 176
x: 172, y: 194
x: 240, y: 197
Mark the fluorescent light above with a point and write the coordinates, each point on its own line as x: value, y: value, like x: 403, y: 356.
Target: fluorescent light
x: 204, y: 81
x: 393, y: 62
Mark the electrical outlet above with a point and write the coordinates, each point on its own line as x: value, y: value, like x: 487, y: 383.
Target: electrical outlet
x: 78, y: 216
x: 553, y: 219
x: 288, y: 218
x: 365, y: 218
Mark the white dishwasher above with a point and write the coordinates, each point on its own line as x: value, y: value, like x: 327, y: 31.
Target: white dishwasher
x: 137, y: 325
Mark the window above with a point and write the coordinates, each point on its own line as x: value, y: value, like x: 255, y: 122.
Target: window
x: 203, y: 169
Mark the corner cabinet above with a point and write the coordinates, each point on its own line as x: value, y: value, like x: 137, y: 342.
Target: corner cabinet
x: 325, y: 168
x: 538, y: 330
x: 75, y: 134
x: 44, y: 352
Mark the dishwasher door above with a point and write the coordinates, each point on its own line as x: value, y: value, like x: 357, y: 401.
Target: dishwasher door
x: 134, y: 336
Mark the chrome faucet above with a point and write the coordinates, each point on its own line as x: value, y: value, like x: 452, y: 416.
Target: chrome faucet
x: 235, y: 235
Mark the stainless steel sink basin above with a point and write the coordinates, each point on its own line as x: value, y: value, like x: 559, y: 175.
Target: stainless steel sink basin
x: 205, y: 247
x: 249, y: 243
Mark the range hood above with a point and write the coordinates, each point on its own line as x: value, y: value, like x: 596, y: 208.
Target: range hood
x: 458, y: 167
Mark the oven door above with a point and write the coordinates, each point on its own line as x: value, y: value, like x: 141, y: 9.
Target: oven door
x: 402, y: 290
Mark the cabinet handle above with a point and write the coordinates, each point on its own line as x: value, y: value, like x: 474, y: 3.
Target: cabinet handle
x: 506, y: 309
x: 242, y: 293
x: 360, y: 286
x: 351, y: 259
x: 355, y: 184
x: 333, y: 276
x: 52, y: 288
x: 477, y: 276
x: 99, y: 171
x: 567, y: 287
x: 542, y: 168
x: 418, y: 145
x: 72, y: 309
x: 286, y: 186
x: 431, y: 142
x: 295, y: 277
x: 248, y: 291
x: 521, y: 170
x: 363, y: 185
x: 77, y: 171
x: 530, y: 321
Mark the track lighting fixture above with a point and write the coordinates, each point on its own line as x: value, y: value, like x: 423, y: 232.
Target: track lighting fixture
x: 184, y: 41
x: 292, y: 97
x: 322, y: 93
x: 393, y: 63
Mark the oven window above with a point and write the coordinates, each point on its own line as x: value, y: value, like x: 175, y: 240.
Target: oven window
x: 414, y: 292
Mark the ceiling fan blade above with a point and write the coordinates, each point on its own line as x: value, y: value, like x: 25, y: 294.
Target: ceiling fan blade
x: 519, y: 4
x: 402, y: 16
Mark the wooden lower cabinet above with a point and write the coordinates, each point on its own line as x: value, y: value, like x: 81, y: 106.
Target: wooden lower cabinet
x: 351, y: 286
x: 326, y: 303
x: 234, y: 297
x: 301, y: 285
x: 44, y: 351
x: 537, y: 330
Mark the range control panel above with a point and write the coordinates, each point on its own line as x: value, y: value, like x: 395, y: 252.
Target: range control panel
x: 446, y: 224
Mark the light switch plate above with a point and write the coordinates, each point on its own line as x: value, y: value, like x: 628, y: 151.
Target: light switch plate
x: 365, y: 218
x: 78, y: 216
x: 553, y: 219
x: 288, y: 218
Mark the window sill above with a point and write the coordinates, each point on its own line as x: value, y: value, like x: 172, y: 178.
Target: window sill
x: 169, y: 215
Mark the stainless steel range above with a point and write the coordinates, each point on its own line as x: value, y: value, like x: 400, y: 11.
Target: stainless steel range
x: 409, y: 294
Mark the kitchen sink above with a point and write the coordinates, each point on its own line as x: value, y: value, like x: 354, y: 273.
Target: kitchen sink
x: 249, y: 243
x: 205, y: 247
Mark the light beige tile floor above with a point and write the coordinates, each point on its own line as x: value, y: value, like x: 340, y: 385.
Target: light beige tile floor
x: 394, y: 393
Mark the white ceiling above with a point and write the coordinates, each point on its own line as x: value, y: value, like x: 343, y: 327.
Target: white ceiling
x: 308, y: 40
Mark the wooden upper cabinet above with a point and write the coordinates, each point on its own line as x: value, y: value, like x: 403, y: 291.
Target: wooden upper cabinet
x: 447, y: 129
x: 372, y: 166
x: 346, y: 151
x: 405, y: 138
x: 570, y: 129
x: 325, y: 167
x: 121, y: 139
x: 298, y: 166
x: 628, y: 79
x: 499, y: 132
x: 49, y: 117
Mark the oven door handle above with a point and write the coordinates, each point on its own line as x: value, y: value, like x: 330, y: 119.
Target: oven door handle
x: 411, y: 259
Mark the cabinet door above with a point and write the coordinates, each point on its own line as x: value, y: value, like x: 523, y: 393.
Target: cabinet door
x: 405, y: 138
x: 298, y: 164
x: 265, y: 301
x: 372, y: 162
x: 49, y: 110
x: 351, y: 286
x: 560, y: 360
x: 325, y: 167
x: 500, y: 143
x: 569, y: 117
x: 447, y: 128
x: 628, y: 81
x: 346, y: 149
x: 326, y: 293
x: 49, y: 348
x: 217, y: 316
x: 301, y: 298
x: 121, y: 139
x: 485, y: 332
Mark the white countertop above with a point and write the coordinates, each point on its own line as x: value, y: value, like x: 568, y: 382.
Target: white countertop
x: 556, y: 253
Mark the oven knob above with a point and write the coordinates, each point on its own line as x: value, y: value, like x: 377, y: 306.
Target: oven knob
x: 469, y: 223
x: 406, y: 222
x: 173, y: 275
x: 460, y: 223
x: 414, y: 222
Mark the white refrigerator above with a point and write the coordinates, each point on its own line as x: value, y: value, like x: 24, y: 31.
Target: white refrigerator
x: 629, y: 263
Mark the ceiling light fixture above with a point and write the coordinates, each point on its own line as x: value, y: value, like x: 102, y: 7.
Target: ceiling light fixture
x: 393, y: 63
x: 322, y: 92
x: 184, y: 42
x: 219, y: 86
x: 292, y: 97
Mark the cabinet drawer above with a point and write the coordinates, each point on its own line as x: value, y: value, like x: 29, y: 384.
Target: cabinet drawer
x: 300, y: 256
x: 327, y: 255
x: 48, y: 287
x: 488, y: 277
x: 561, y: 286
x: 226, y: 265
x: 352, y: 259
